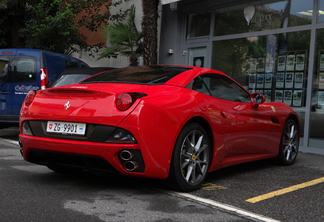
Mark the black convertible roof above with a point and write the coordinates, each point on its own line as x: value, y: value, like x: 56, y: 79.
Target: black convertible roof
x: 90, y: 71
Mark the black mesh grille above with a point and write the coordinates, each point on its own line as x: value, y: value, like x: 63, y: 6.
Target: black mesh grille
x: 71, y: 160
x: 274, y: 120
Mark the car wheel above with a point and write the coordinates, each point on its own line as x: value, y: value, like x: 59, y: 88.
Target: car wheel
x: 289, y: 143
x: 63, y: 169
x: 190, y: 160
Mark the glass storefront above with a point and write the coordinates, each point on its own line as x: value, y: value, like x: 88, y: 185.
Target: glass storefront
x: 274, y: 65
x: 269, y: 48
x: 259, y: 17
x: 316, y: 130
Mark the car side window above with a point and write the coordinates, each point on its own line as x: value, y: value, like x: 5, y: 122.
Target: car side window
x: 222, y: 87
x: 70, y: 65
x: 25, y: 69
x: 5, y: 69
x: 198, y: 85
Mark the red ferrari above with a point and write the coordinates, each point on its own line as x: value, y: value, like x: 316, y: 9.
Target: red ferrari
x: 169, y: 122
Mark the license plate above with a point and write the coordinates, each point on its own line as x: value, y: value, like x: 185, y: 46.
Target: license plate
x: 66, y: 127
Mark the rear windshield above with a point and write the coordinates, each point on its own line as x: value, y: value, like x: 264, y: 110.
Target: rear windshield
x: 70, y: 79
x: 140, y: 75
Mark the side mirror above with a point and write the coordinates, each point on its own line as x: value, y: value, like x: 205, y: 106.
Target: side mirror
x: 257, y: 98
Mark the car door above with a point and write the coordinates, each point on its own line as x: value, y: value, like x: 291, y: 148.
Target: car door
x: 6, y: 85
x: 244, y: 125
x: 24, y: 80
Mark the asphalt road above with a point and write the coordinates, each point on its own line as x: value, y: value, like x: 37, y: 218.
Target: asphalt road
x: 259, y: 191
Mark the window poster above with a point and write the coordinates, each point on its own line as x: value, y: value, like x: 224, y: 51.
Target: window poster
x: 278, y: 96
x: 267, y: 95
x: 281, y: 63
x: 289, y: 82
x: 260, y: 80
x: 322, y: 62
x: 320, y: 100
x: 280, y: 80
x: 288, y: 97
x: 253, y: 65
x: 261, y: 64
x: 290, y: 63
x: 271, y: 53
x: 198, y: 61
x: 300, y: 62
x: 268, y: 81
x: 252, y: 80
x: 297, y: 101
x: 269, y: 64
x: 299, y: 80
x: 321, y: 80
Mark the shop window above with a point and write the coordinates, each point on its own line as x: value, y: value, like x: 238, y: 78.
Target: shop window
x: 300, y: 12
x: 316, y: 129
x: 274, y: 65
x: 198, y: 25
x: 259, y: 17
x: 320, y: 13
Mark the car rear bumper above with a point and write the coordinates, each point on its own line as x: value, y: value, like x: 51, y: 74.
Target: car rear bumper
x: 87, y: 155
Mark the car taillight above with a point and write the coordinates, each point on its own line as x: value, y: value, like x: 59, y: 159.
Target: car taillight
x: 44, y: 79
x: 6, y: 52
x: 30, y: 98
x: 126, y: 100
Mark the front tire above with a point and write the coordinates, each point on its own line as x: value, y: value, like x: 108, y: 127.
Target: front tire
x: 191, y: 159
x: 289, y: 143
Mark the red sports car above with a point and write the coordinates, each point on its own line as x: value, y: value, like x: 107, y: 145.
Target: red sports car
x: 169, y: 122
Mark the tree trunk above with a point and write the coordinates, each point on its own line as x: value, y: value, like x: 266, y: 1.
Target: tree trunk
x: 133, y: 61
x: 149, y: 24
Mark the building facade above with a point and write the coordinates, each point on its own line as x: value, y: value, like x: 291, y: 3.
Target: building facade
x: 270, y: 46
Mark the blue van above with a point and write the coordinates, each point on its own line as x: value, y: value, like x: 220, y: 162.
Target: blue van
x: 22, y: 70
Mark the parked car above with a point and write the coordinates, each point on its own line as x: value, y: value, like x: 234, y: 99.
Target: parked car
x: 75, y: 75
x: 23, y: 70
x: 169, y: 122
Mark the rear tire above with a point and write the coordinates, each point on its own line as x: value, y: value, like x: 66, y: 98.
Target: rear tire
x: 289, y: 143
x: 191, y: 159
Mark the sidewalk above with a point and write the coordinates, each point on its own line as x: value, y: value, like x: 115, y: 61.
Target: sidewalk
x: 315, y: 161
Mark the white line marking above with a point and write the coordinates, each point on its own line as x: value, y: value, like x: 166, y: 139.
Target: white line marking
x: 225, y: 207
x: 10, y: 141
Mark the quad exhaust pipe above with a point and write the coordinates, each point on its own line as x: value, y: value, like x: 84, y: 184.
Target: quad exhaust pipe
x: 126, y: 155
x: 127, y: 160
x: 130, y: 166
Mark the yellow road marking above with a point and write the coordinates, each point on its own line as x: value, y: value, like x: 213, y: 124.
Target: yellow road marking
x: 285, y: 190
x: 211, y: 186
